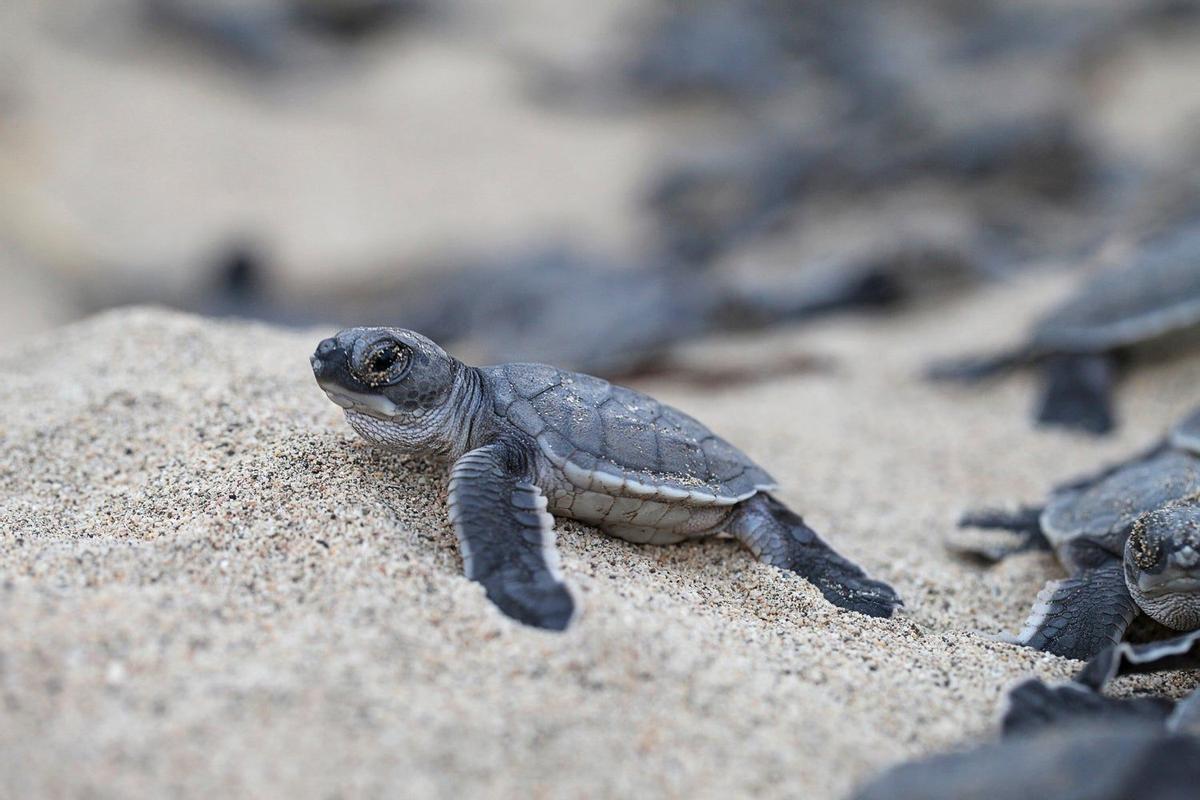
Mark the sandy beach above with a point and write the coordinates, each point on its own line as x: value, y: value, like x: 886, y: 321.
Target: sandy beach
x: 208, y: 585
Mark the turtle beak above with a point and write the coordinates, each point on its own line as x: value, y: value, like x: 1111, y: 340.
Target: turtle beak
x: 1181, y: 573
x: 327, y: 361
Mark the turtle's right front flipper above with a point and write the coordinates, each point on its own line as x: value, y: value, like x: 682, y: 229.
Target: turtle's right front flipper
x: 778, y: 536
x: 507, y: 536
x: 1080, y: 616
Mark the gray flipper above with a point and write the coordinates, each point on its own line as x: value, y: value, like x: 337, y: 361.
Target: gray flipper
x: 1025, y: 522
x: 1125, y: 658
x: 1186, y: 716
x: 1078, y: 393
x: 507, y: 537
x: 1032, y: 706
x: 779, y: 537
x: 1080, y: 616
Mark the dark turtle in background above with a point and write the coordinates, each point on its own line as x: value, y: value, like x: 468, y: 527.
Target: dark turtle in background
x: 712, y: 204
x: 276, y: 34
x: 1150, y: 307
x: 979, y: 98
x: 560, y: 305
x: 1070, y: 742
x: 1130, y: 539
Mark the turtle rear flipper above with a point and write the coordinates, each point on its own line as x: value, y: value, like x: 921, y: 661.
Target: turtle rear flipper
x: 1081, y: 615
x: 1078, y: 393
x: 507, y: 537
x: 779, y: 537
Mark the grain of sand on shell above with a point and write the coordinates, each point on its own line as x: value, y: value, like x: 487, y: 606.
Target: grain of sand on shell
x: 208, y: 585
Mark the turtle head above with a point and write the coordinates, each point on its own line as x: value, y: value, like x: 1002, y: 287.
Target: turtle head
x: 1162, y: 564
x: 395, y: 385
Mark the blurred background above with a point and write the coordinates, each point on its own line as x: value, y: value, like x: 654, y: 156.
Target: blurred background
x: 584, y: 183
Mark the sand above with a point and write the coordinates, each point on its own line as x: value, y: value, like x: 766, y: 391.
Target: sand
x: 209, y: 586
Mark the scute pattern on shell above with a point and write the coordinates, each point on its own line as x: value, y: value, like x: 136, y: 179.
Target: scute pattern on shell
x: 1157, y: 295
x: 617, y: 441
x: 1104, y: 512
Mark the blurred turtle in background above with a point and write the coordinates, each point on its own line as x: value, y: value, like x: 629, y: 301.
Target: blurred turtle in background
x: 1149, y: 308
x: 274, y: 34
x: 872, y: 50
x: 1006, y: 172
x: 857, y: 97
x: 559, y: 305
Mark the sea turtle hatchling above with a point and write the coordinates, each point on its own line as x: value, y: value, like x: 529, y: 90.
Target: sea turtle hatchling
x: 1149, y: 306
x: 525, y: 439
x: 1130, y: 539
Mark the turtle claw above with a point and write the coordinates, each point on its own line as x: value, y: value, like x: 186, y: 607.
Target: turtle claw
x: 854, y: 591
x: 874, y: 599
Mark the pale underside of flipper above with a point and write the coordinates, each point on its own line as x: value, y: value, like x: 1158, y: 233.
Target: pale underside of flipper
x: 507, y: 537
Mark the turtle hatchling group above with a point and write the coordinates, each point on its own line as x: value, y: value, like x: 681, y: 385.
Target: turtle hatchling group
x: 526, y: 442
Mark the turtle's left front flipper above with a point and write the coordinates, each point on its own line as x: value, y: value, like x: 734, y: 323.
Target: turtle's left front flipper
x: 779, y: 537
x: 1077, y: 617
x: 507, y: 536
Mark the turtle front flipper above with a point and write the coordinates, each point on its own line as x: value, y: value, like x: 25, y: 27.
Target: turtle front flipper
x: 1126, y: 658
x: 507, y: 537
x: 1025, y: 523
x: 1078, y: 393
x: 779, y: 537
x: 1081, y: 615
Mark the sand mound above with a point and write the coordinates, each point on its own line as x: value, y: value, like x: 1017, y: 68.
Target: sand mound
x: 207, y: 585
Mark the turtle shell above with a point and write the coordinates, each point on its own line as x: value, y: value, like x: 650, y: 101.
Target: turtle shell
x: 1157, y: 296
x: 616, y: 441
x: 1104, y: 512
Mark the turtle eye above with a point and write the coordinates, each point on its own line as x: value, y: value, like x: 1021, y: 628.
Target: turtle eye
x: 385, y: 363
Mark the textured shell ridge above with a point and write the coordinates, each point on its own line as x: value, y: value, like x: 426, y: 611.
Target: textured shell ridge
x: 612, y: 439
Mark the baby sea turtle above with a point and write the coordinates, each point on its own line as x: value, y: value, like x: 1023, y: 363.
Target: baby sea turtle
x: 1130, y: 538
x: 525, y: 439
x: 1150, y: 305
